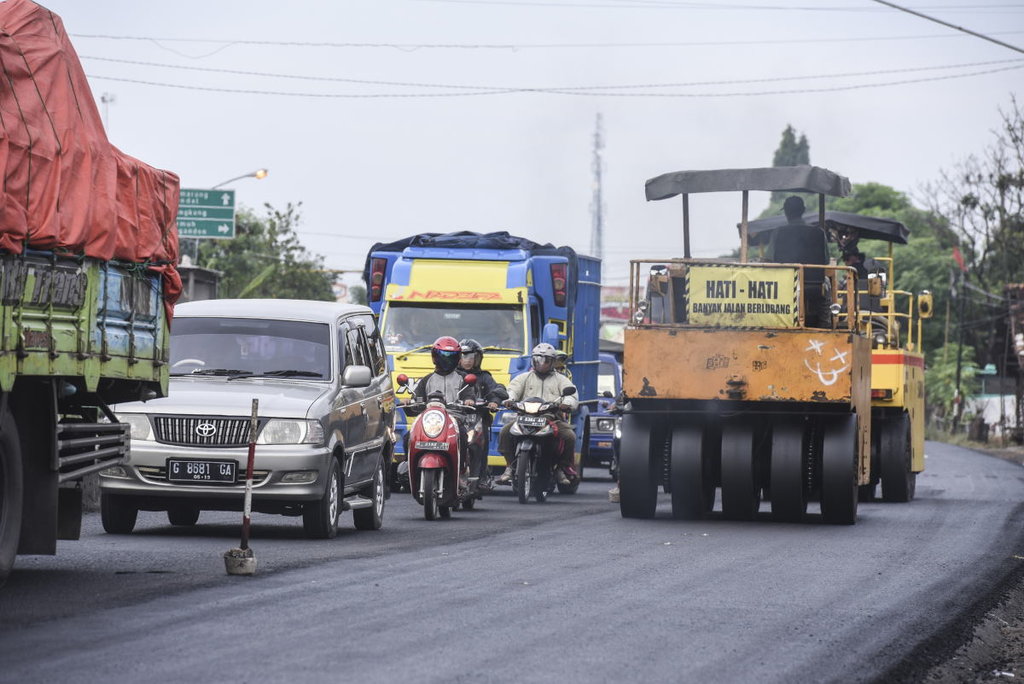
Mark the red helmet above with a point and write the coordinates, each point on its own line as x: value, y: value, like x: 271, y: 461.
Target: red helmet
x: 445, y: 354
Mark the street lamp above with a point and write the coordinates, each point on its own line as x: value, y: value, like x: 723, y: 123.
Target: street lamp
x: 257, y: 174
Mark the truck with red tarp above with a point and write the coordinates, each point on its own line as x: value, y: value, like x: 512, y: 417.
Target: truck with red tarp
x: 88, y: 247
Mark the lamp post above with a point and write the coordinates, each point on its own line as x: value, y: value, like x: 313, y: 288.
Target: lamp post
x: 258, y: 174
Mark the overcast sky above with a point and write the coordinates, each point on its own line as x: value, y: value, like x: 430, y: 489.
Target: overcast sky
x: 386, y: 118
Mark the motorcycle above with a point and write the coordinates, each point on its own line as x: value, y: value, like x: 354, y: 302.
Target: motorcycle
x: 533, y: 429
x: 438, y: 463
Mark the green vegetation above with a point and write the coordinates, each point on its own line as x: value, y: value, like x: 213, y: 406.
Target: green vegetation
x: 266, y: 259
x: 978, y: 208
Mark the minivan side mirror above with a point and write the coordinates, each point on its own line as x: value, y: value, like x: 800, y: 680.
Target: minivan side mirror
x: 356, y: 376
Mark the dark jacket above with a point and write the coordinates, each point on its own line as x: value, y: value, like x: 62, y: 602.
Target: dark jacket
x: 488, y: 388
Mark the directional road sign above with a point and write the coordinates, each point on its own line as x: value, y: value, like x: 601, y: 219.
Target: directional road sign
x: 206, y: 213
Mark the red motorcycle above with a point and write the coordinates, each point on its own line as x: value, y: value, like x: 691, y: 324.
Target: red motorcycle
x: 438, y: 459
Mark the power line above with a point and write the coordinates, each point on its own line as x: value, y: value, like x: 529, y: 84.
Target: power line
x: 493, y: 88
x: 228, y: 42
x: 665, y: 4
x: 593, y: 91
x: 953, y: 26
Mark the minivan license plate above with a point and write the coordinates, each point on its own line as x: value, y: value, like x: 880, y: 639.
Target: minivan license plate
x: 201, y: 471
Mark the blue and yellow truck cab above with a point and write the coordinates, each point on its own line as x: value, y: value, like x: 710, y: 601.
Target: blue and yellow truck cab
x: 506, y: 292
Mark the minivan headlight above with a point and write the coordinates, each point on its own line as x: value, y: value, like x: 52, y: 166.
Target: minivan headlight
x: 289, y: 431
x: 138, y: 425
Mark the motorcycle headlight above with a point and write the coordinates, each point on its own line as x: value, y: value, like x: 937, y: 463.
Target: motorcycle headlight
x: 289, y: 431
x: 432, y: 423
x: 138, y: 424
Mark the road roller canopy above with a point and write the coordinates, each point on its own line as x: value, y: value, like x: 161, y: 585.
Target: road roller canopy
x: 779, y: 178
x: 866, y: 227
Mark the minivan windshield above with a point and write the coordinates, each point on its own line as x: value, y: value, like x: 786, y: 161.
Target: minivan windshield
x: 248, y: 346
x: 414, y: 326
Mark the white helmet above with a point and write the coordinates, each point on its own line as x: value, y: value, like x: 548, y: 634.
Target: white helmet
x: 543, y: 358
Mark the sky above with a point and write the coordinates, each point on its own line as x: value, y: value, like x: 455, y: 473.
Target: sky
x: 387, y: 118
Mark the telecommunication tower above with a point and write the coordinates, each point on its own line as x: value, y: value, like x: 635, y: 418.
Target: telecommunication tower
x: 597, y: 203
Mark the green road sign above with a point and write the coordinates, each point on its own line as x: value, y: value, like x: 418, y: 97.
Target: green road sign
x: 206, y: 213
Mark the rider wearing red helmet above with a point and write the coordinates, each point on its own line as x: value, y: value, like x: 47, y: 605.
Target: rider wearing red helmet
x: 447, y: 378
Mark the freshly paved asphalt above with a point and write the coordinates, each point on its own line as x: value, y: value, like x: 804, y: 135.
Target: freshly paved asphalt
x: 566, y: 591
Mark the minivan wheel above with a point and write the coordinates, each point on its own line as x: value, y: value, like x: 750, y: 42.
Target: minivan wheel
x: 372, y: 518
x: 320, y: 518
x: 183, y: 515
x: 117, y: 515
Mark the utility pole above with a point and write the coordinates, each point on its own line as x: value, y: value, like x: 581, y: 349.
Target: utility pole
x: 597, y: 203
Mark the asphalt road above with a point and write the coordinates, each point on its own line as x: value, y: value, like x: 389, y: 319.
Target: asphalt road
x: 566, y: 591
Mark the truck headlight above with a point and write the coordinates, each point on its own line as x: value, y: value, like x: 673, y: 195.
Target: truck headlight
x: 138, y: 425
x: 605, y: 424
x: 289, y: 431
x: 432, y: 423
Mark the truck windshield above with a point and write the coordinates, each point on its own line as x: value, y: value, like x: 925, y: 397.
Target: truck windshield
x: 242, y: 346
x: 413, y: 326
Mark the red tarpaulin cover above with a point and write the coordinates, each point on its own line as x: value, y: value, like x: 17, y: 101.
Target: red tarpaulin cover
x: 66, y: 188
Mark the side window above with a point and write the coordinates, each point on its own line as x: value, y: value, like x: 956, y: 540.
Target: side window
x: 356, y: 348
x: 342, y: 329
x: 375, y: 357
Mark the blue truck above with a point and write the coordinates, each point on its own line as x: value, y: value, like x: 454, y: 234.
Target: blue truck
x: 508, y: 293
x: 600, y: 435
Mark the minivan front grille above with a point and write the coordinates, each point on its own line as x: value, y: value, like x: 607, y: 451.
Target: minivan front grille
x: 201, y: 431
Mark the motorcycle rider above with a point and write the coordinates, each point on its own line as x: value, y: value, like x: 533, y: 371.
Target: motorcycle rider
x: 448, y: 379
x: 544, y: 382
x: 487, y: 388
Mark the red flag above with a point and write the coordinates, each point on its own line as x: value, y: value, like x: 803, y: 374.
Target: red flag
x: 959, y: 259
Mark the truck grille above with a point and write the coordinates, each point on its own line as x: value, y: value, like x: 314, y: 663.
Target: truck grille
x: 201, y: 431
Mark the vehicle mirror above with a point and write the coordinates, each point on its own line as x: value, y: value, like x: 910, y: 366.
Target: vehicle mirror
x: 874, y: 285
x: 608, y: 394
x: 357, y: 376
x: 568, y: 391
x: 550, y: 334
x: 470, y: 379
x: 402, y: 379
x: 925, y: 304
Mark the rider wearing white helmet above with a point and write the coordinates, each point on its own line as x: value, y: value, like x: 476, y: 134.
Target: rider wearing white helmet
x: 542, y: 381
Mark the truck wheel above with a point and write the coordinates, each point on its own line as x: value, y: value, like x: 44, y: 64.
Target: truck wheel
x: 693, y: 486
x: 372, y: 518
x: 184, y: 515
x: 638, y: 478
x: 117, y: 514
x: 741, y: 492
x: 10, y: 494
x: 788, y: 471
x: 320, y: 518
x: 898, y: 482
x: 839, y: 471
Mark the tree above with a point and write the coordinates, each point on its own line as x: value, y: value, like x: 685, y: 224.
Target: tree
x: 982, y: 198
x: 266, y: 259
x: 791, y: 151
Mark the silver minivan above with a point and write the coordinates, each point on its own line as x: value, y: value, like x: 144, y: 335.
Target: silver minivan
x: 325, y: 418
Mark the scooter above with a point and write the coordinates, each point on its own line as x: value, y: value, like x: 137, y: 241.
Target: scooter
x: 533, y: 429
x: 438, y: 463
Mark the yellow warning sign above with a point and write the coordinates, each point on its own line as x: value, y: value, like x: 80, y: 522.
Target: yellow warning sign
x: 741, y: 296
